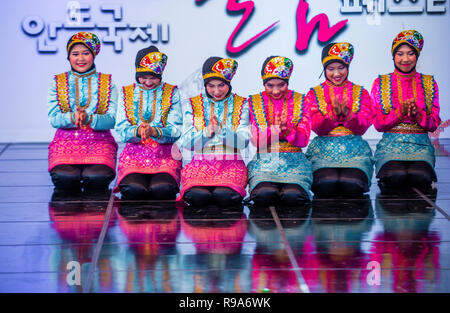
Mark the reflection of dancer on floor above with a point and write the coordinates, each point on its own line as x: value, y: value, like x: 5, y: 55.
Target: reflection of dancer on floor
x: 149, y: 121
x: 272, y: 269
x: 82, y: 106
x: 406, y: 249
x: 407, y: 106
x: 152, y: 235
x: 341, y: 112
x: 339, y: 227
x: 216, y: 129
x: 279, y: 173
x: 78, y: 221
x: 218, y: 241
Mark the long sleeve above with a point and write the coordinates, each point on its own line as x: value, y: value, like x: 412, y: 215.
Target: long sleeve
x: 240, y: 137
x: 359, y: 123
x: 430, y: 122
x: 383, y: 122
x: 298, y: 135
x: 57, y: 118
x: 108, y: 120
x: 321, y: 123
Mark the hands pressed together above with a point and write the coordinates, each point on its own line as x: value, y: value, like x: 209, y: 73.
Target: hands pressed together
x: 146, y: 131
x: 213, y: 127
x: 340, y: 109
x: 409, y: 109
x: 280, y: 122
x: 81, y: 117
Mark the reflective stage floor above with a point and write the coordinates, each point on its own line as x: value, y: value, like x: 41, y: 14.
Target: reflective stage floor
x: 96, y: 243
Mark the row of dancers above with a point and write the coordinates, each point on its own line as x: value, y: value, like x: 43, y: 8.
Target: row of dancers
x: 84, y: 105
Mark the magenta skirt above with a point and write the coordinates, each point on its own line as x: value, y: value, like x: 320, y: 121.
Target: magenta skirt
x: 149, y: 158
x: 82, y: 146
x: 212, y: 170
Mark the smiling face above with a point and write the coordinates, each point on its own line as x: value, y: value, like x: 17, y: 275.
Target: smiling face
x: 149, y: 81
x: 336, y: 72
x: 217, y: 89
x: 405, y: 59
x: 276, y: 88
x: 81, y: 58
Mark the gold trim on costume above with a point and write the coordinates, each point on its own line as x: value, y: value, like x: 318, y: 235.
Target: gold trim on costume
x: 333, y: 57
x: 340, y: 131
x: 144, y: 69
x: 238, y: 104
x: 386, y: 93
x: 141, y: 108
x: 198, y: 112
x: 258, y: 110
x: 404, y: 128
x: 217, y: 75
x: 356, y: 95
x: 283, y: 146
x: 166, y: 102
x: 265, y: 76
x: 428, y: 89
x: 218, y: 150
x: 104, y: 92
x: 128, y: 94
x: 62, y: 92
x: 297, y: 110
x: 321, y: 102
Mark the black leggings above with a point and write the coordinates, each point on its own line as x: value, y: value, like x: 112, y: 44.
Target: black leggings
x: 339, y: 181
x: 161, y: 186
x: 75, y: 176
x: 222, y: 196
x: 272, y: 194
x: 404, y: 174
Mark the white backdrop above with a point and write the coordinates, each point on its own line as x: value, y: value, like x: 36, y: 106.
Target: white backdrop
x: 197, y: 31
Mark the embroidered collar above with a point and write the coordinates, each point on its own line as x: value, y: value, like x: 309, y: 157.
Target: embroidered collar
x: 400, y: 74
x: 330, y: 84
x: 85, y: 74
x: 142, y: 87
x: 287, y: 96
x: 205, y: 96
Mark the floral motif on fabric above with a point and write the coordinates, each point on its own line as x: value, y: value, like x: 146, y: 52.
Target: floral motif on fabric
x: 154, y: 62
x: 88, y: 39
x: 224, y: 68
x: 278, y: 67
x: 343, y: 51
x: 410, y: 37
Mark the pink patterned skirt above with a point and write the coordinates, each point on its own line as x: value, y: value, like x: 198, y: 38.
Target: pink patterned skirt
x: 82, y: 146
x: 214, y: 170
x: 149, y: 158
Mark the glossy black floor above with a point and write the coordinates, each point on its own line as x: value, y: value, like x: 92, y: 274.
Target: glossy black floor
x: 375, y: 244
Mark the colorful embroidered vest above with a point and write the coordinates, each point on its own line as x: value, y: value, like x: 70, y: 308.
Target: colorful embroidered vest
x: 104, y: 92
x: 166, y: 103
x: 423, y: 84
x: 263, y: 113
x: 198, y: 111
x: 356, y: 93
